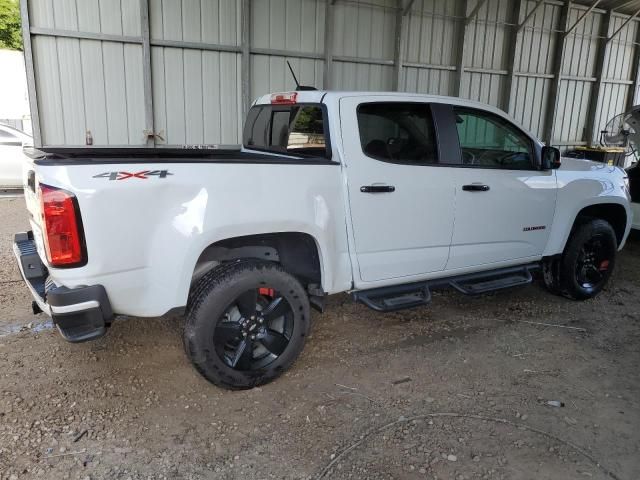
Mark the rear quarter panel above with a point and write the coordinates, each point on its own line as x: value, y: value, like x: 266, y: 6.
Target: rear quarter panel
x: 144, y: 236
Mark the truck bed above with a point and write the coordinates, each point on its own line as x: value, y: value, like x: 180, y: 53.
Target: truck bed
x: 107, y: 155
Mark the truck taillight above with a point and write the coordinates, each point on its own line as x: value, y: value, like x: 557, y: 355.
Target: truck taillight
x: 62, y: 225
x: 289, y: 98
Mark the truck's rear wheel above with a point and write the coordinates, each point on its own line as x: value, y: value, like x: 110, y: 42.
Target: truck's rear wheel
x: 588, y: 260
x: 246, y: 323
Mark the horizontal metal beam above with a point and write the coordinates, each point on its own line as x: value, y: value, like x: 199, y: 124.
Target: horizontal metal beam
x: 429, y: 66
x: 366, y: 61
x: 196, y: 46
x: 547, y: 76
x: 616, y: 81
x: 287, y: 53
x: 106, y: 37
x: 568, y: 143
x: 489, y: 71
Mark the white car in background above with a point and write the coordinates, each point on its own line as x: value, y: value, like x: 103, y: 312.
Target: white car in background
x: 11, y: 156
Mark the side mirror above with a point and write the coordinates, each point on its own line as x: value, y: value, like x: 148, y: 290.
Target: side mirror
x: 550, y: 158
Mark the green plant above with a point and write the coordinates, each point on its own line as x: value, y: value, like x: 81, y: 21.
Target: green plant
x: 10, y: 26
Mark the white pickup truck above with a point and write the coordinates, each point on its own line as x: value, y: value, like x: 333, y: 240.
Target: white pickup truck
x: 384, y: 195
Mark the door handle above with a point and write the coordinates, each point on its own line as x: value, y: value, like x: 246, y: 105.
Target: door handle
x: 377, y: 189
x: 476, y: 187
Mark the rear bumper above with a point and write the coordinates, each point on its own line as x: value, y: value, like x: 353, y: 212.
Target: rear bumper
x: 80, y: 314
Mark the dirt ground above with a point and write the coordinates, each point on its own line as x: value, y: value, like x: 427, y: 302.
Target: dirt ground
x: 457, y: 390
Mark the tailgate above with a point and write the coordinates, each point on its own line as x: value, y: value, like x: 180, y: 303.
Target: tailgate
x: 32, y: 200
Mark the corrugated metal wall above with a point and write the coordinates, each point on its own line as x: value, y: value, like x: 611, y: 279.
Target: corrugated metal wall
x: 91, y: 74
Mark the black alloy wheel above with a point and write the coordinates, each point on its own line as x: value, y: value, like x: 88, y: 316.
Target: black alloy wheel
x: 255, y: 330
x: 587, y: 262
x: 592, y: 263
x: 247, y: 322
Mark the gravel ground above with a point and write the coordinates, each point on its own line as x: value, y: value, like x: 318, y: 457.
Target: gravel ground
x: 457, y: 390
x: 15, y: 300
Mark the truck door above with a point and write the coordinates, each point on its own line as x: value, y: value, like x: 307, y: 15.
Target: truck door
x: 401, y: 200
x: 504, y: 203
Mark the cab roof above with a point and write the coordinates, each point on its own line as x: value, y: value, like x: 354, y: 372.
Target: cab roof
x: 332, y: 97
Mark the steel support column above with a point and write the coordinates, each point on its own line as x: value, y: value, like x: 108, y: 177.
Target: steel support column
x: 328, y: 45
x: 462, y: 43
x: 461, y: 53
x: 635, y: 73
x: 149, y: 126
x: 558, y: 61
x: 400, y: 41
x: 29, y: 64
x: 601, y: 57
x: 245, y: 45
x: 512, y: 48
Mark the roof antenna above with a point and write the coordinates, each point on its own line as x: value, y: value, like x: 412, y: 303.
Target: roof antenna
x: 298, y: 86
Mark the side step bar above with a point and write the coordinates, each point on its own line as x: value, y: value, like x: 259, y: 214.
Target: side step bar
x: 389, y: 299
x: 409, y: 295
x: 482, y: 283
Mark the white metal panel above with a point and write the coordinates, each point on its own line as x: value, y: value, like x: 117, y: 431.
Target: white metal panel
x: 483, y: 87
x: 295, y: 25
x: 538, y: 39
x: 358, y: 76
x: 531, y: 95
x: 71, y: 91
x: 619, y: 61
x: 581, y: 45
x: 428, y: 80
x: 573, y: 108
x: 94, y: 16
x: 365, y: 31
x: 432, y: 32
x: 486, y: 35
x: 95, y: 94
x: 209, y: 21
x: 196, y: 96
x: 46, y: 69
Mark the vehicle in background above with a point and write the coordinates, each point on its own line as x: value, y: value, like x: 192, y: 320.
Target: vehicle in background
x: 383, y: 195
x: 12, y: 157
x: 634, y: 190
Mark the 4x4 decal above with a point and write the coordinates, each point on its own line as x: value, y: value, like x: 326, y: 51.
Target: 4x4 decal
x: 144, y: 175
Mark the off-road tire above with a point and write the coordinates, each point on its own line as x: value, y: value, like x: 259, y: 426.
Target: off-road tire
x: 208, y: 301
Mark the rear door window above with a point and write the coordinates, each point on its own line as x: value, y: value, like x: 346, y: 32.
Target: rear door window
x: 293, y: 129
x: 398, y: 132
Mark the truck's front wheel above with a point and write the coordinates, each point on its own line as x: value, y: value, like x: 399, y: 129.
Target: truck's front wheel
x: 588, y: 260
x: 246, y: 324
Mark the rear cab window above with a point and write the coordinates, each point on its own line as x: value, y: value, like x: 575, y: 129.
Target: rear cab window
x: 299, y: 130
